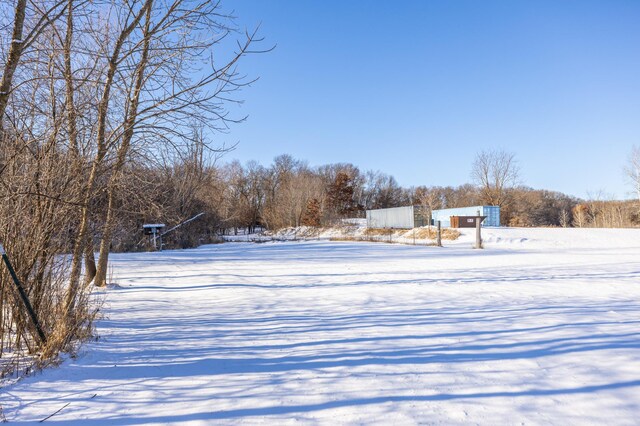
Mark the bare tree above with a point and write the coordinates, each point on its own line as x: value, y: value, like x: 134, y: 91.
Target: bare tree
x: 495, y: 172
x: 580, y: 215
x: 632, y: 170
x: 564, y: 218
x: 131, y: 20
x: 44, y: 14
x: 161, y: 58
x: 428, y: 199
x: 123, y: 149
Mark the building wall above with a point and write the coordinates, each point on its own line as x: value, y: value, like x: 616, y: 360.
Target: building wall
x: 492, y: 213
x: 397, y: 217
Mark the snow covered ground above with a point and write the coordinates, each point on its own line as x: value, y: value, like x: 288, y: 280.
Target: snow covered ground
x: 542, y: 327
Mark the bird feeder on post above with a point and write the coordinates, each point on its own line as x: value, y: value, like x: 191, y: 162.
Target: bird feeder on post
x: 154, y: 230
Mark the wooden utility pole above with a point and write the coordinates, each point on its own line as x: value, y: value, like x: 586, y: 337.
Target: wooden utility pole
x: 478, y: 235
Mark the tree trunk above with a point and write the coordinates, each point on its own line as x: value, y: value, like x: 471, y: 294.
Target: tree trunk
x: 89, y: 261
x: 105, y: 243
x: 79, y: 247
x: 15, y: 52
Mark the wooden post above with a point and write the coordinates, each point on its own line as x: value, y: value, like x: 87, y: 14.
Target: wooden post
x: 478, y: 235
x: 24, y: 297
x: 439, y: 235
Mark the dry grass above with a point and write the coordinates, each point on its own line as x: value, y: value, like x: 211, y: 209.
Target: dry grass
x: 418, y: 236
x: 423, y: 233
x: 430, y: 233
x: 21, y: 353
x: 378, y: 232
x: 70, y: 334
x: 424, y: 236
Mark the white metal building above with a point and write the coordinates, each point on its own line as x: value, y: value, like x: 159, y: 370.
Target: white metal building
x: 397, y: 217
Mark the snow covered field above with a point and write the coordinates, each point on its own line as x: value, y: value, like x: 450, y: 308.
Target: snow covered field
x: 542, y: 327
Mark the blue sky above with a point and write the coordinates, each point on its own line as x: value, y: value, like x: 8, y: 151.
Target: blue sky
x: 416, y: 88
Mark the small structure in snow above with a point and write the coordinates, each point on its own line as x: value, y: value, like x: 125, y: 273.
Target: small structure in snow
x: 155, y: 231
x: 465, y: 221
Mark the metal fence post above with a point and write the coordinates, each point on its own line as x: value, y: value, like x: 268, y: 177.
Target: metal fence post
x: 24, y: 297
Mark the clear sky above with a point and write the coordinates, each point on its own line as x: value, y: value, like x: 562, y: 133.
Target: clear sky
x: 416, y: 88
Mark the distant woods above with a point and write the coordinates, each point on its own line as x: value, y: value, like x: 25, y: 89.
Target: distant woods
x: 288, y: 192
x: 104, y: 108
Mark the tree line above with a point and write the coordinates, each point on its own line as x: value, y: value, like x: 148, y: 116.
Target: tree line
x: 289, y: 193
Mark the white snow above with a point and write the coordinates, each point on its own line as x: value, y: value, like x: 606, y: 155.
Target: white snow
x: 541, y: 327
